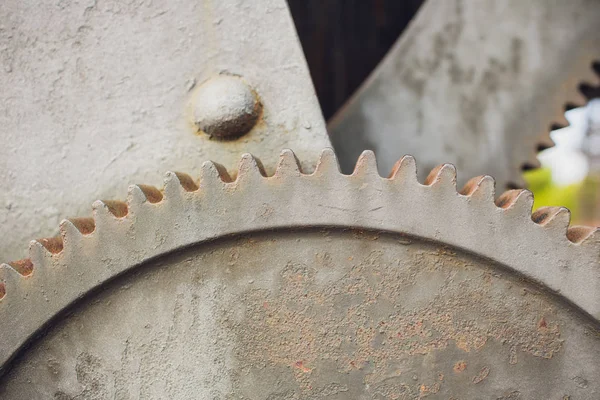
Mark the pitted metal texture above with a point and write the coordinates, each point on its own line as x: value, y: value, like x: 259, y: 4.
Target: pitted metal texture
x: 315, y: 314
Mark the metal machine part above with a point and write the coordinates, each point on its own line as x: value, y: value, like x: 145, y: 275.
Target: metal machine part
x: 478, y: 84
x: 103, y: 91
x: 307, y: 286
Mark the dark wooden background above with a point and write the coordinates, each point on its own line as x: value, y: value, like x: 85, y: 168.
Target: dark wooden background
x: 344, y: 40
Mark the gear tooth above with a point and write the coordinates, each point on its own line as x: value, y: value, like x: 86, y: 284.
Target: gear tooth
x: 139, y: 194
x: 176, y: 182
x: 405, y: 169
x: 583, y: 234
x: 249, y: 166
x: 531, y: 165
x: 135, y: 199
x: 152, y: 194
x: 327, y: 164
x: 560, y: 121
x: 516, y: 199
x: 552, y: 217
x: 40, y: 254
x: 85, y: 226
x: 516, y: 184
x: 69, y: 232
x: 73, y: 229
x: 117, y: 209
x: 213, y: 172
x: 590, y: 75
x: 483, y: 185
x: 187, y: 182
x: 107, y: 214
x: 9, y: 279
x: 575, y: 100
x: 172, y: 185
x: 588, y: 90
x: 442, y: 174
x: 366, y: 165
x: 288, y: 164
x: 37, y: 251
x: 545, y: 142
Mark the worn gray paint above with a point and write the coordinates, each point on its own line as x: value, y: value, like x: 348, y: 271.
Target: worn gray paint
x: 539, y: 247
x: 475, y: 83
x: 96, y: 94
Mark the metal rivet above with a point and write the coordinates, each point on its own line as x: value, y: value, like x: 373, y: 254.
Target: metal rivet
x: 225, y: 107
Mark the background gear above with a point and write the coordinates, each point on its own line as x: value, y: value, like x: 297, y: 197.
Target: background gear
x: 478, y: 84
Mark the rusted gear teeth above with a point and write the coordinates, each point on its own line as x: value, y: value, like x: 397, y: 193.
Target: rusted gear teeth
x: 121, y: 236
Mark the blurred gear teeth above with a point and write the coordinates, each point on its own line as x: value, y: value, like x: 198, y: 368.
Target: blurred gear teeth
x: 575, y: 97
x: 151, y: 223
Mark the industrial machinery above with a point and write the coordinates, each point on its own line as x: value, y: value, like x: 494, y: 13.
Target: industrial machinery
x: 275, y: 277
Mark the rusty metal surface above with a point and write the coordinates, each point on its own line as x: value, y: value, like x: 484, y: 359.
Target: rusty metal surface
x: 388, y: 303
x: 102, y: 91
x: 475, y: 83
x: 313, y: 315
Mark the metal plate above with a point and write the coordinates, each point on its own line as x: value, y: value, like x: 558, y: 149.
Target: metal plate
x: 96, y: 94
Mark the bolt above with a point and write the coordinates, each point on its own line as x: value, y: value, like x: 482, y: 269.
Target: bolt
x: 225, y: 107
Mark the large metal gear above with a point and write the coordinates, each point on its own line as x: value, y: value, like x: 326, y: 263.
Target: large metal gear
x: 307, y: 286
x: 475, y: 83
x: 287, y: 282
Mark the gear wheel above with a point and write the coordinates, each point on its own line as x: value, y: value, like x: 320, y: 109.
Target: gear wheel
x: 484, y: 99
x: 306, y: 286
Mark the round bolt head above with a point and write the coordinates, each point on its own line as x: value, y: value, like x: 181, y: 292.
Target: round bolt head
x: 226, y: 107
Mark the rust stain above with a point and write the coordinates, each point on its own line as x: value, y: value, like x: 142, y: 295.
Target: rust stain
x: 300, y: 365
x: 425, y: 390
x: 485, y: 371
x: 460, y: 366
x: 54, y: 244
x: 23, y: 267
x: 513, y: 359
x: 311, y: 321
